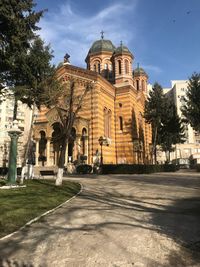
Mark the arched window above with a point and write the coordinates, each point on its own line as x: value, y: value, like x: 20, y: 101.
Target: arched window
x: 126, y: 63
x: 105, y: 117
x: 107, y: 122
x: 121, y: 123
x: 83, y: 139
x: 106, y: 70
x: 119, y: 67
x: 137, y: 85
x: 99, y: 68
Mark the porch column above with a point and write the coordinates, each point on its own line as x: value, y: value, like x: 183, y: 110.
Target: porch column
x: 48, y: 152
x: 86, y: 148
x: 37, y: 152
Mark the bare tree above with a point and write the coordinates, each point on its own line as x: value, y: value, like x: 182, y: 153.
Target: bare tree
x: 66, y: 102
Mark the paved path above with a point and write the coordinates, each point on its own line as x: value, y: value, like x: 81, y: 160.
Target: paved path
x: 118, y: 220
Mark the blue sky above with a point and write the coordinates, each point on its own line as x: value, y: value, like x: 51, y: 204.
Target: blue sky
x: 163, y: 35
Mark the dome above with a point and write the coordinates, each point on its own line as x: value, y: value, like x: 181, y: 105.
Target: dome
x: 139, y: 71
x: 122, y: 49
x: 102, y: 45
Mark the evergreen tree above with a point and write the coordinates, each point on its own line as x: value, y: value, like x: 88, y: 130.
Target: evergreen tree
x: 154, y: 113
x: 171, y: 131
x: 191, y: 109
x: 18, y: 24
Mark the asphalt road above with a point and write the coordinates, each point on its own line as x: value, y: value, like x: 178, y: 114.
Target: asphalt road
x: 118, y: 221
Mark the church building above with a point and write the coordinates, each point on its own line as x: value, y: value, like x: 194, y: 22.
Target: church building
x: 110, y: 127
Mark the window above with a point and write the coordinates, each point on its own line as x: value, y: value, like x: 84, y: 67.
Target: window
x: 107, y: 122
x: 126, y: 67
x: 99, y: 68
x: 137, y: 85
x: 121, y: 123
x: 119, y: 67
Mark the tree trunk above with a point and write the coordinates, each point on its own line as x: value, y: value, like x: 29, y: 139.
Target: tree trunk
x: 154, y: 145
x: 24, y: 165
x: 61, y: 163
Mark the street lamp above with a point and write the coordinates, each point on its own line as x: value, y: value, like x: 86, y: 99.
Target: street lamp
x: 14, y: 134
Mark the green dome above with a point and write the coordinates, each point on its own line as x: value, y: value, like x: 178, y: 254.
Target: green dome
x: 122, y: 49
x: 139, y: 71
x: 102, y: 45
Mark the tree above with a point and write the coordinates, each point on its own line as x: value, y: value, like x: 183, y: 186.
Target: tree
x: 66, y: 102
x: 18, y: 23
x: 171, y: 131
x: 154, y: 112
x: 191, y: 109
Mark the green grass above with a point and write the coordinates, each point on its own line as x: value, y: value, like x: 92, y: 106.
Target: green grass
x: 18, y: 206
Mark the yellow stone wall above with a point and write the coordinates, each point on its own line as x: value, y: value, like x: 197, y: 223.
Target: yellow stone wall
x: 120, y: 100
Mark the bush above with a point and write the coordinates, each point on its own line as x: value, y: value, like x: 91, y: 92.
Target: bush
x: 136, y: 168
x: 83, y: 169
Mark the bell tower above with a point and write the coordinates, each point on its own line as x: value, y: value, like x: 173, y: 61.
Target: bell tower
x: 140, y: 79
x: 123, y: 60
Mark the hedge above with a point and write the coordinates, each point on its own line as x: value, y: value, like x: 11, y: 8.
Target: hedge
x: 83, y: 169
x: 198, y: 167
x: 137, y: 168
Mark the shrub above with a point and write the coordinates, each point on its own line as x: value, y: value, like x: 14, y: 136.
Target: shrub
x: 83, y: 169
x: 198, y: 167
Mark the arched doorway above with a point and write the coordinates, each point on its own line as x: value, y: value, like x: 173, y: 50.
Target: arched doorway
x: 42, y: 147
x: 56, y: 139
x: 71, y: 144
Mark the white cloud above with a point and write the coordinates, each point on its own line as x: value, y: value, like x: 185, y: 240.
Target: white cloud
x: 72, y: 33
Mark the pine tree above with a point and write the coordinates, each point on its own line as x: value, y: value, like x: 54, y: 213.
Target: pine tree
x: 154, y: 112
x: 171, y: 131
x: 191, y: 109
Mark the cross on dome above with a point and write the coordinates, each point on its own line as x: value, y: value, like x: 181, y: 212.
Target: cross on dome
x: 102, y: 34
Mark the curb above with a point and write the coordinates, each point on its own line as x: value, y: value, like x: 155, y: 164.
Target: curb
x: 42, y: 215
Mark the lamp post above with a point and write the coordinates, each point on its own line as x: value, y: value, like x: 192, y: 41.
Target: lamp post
x: 101, y: 140
x: 14, y: 134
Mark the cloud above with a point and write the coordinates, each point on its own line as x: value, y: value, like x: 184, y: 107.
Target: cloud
x: 69, y: 32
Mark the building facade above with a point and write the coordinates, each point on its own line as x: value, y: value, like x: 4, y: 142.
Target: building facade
x: 24, y: 116
x: 112, y: 109
x: 191, y: 146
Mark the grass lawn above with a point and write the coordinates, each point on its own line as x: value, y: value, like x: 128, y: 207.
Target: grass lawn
x: 18, y: 206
